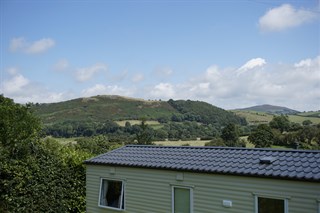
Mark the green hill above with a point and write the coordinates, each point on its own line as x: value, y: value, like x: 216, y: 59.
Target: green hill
x: 314, y: 114
x: 266, y: 108
x: 102, y: 108
x: 99, y: 109
x: 255, y: 118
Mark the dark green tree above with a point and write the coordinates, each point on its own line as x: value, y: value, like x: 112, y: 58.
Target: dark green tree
x: 145, y: 134
x: 19, y: 129
x: 36, y: 175
x: 281, y: 123
x: 230, y: 135
x: 262, y: 137
x: 306, y: 122
x: 216, y: 142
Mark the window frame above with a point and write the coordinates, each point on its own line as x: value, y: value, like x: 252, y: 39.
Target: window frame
x: 181, y: 187
x: 285, y: 200
x: 122, y: 197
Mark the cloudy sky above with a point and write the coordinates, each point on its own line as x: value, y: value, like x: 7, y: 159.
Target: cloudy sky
x: 230, y: 53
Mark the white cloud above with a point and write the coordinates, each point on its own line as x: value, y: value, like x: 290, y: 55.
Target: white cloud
x: 293, y: 85
x: 253, y: 63
x: 22, y: 45
x: 22, y: 90
x: 284, y: 17
x: 100, y: 89
x: 85, y: 74
x: 15, y: 84
x: 61, y: 65
x: 213, y: 73
x: 163, y: 90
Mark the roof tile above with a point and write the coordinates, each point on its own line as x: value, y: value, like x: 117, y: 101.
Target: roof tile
x: 289, y: 164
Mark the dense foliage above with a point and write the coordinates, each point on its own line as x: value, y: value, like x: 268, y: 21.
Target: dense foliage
x: 229, y: 137
x: 282, y: 132
x: 204, y: 113
x: 40, y: 175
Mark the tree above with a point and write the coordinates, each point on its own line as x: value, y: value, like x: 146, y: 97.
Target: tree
x: 145, y: 134
x: 262, y: 137
x: 19, y: 129
x: 96, y: 144
x: 37, y: 175
x: 281, y: 123
x: 216, y: 142
x: 230, y: 135
x: 306, y: 122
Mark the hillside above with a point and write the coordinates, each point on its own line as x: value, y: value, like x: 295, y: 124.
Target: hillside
x: 255, y: 118
x: 102, y: 108
x: 314, y: 114
x: 99, y: 109
x: 266, y: 108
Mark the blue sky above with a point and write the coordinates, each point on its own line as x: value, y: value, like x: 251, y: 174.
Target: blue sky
x: 231, y: 54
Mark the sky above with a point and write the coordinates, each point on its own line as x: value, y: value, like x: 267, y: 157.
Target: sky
x: 230, y: 53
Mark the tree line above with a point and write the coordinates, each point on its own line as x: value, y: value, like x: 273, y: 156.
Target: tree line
x: 280, y: 132
x: 187, y: 130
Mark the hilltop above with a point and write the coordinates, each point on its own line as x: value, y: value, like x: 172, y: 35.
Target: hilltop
x: 271, y: 109
x: 102, y: 108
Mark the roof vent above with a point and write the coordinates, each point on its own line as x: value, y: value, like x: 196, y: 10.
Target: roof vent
x: 267, y: 160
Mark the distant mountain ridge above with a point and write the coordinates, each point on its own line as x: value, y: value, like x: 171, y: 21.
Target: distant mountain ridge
x: 271, y: 109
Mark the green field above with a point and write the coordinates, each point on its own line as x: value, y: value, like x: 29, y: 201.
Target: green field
x: 64, y: 141
x: 180, y: 143
x: 300, y: 119
x: 153, y: 124
x: 310, y: 114
x: 196, y: 142
x: 255, y: 118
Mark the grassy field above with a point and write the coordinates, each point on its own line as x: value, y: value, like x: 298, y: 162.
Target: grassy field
x: 255, y: 118
x: 300, y: 119
x: 180, y: 143
x: 133, y: 122
x: 152, y: 124
x: 310, y: 114
x: 64, y: 141
x: 195, y: 143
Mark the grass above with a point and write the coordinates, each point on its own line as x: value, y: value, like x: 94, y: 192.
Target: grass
x: 196, y: 142
x: 133, y: 122
x: 310, y: 114
x: 300, y: 119
x: 180, y: 143
x: 256, y: 118
x: 65, y: 141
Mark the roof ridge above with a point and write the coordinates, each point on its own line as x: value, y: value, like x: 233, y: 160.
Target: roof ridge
x: 224, y: 147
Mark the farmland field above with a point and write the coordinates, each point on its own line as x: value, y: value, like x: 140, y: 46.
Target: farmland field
x: 300, y: 119
x: 180, y: 143
x: 133, y: 122
x: 255, y: 118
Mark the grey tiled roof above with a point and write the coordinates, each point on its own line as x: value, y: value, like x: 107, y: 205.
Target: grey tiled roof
x: 273, y: 163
